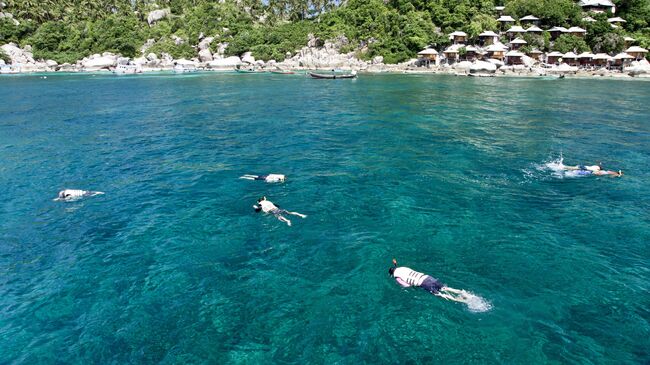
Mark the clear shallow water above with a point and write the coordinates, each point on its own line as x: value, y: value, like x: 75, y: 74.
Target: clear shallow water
x: 173, y: 266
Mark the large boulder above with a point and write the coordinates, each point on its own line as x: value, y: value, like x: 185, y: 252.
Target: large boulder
x: 177, y: 40
x: 228, y: 62
x: 185, y: 62
x: 221, y: 49
x: 100, y: 62
x: 205, y: 55
x: 483, y: 66
x: 563, y: 68
x: 313, y: 41
x: 528, y: 61
x: 51, y: 63
x: 123, y: 60
x: 145, y: 47
x: 637, y: 68
x: 9, y: 16
x: 152, y: 57
x: 140, y: 61
x: 462, y: 66
x: 18, y: 55
x: 248, y: 58
x: 205, y: 43
x: 157, y: 15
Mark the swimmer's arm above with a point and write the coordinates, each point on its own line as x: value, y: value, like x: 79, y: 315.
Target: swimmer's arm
x: 401, y: 282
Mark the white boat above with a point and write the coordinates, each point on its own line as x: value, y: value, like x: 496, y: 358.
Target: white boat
x: 127, y: 70
x: 185, y: 68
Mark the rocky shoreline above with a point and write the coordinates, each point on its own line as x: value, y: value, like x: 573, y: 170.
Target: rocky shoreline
x: 315, y: 55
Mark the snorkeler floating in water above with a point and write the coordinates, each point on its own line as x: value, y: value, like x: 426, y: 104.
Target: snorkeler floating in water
x: 266, y: 206
x: 270, y: 178
x: 74, y: 194
x: 407, y: 278
x: 597, y: 170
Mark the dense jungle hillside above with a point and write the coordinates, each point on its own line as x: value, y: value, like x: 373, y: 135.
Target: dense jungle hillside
x: 68, y: 30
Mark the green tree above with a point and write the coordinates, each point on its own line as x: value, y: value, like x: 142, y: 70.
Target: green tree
x: 550, y: 12
x: 570, y: 43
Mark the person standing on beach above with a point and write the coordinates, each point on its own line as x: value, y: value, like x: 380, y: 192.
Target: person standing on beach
x: 407, y: 277
x: 266, y: 206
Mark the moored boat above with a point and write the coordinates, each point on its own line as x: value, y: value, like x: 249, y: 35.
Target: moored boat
x: 127, y: 70
x: 333, y: 76
x: 248, y: 71
x: 184, y: 68
x: 282, y: 72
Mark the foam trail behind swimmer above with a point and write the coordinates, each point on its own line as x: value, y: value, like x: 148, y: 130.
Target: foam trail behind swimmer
x: 555, y: 165
x: 476, y: 303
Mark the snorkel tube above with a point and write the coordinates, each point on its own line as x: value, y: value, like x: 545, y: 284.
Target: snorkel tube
x: 391, y: 270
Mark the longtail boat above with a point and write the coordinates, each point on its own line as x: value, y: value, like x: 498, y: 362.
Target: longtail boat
x: 332, y: 76
x: 242, y: 71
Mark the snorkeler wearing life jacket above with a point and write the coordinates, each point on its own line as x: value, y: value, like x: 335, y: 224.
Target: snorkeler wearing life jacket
x: 270, y: 178
x: 74, y: 194
x: 407, y: 277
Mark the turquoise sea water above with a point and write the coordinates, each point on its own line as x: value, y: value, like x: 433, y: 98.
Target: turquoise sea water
x: 444, y: 173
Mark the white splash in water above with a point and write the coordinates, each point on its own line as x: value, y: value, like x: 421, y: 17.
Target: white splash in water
x: 476, y: 303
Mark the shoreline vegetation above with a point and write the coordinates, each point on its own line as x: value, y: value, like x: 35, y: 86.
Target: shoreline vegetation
x: 476, y: 38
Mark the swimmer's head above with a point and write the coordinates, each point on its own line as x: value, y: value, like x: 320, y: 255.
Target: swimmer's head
x: 261, y: 199
x: 391, y: 271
